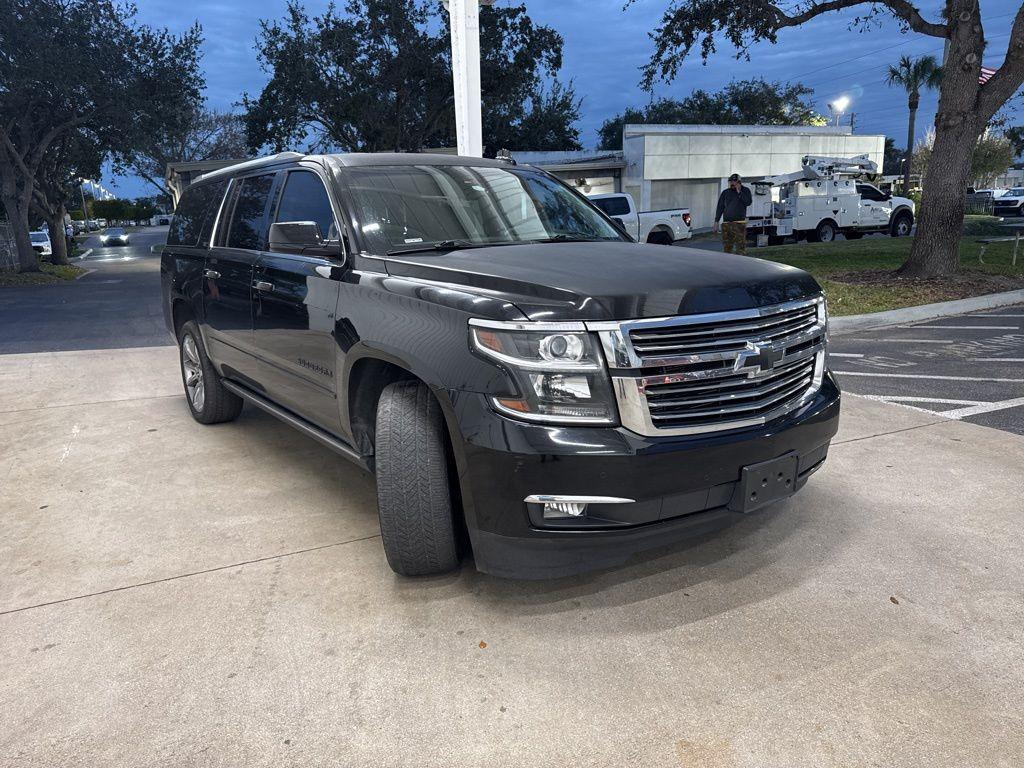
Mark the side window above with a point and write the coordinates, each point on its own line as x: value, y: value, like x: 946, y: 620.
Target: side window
x: 305, y: 199
x: 613, y: 206
x: 213, y: 194
x: 246, y: 229
x: 187, y: 219
x: 868, y: 192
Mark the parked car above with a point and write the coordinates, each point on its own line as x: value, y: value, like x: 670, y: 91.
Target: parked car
x: 660, y: 227
x: 524, y: 381
x: 1009, y: 204
x: 114, y: 236
x: 40, y: 243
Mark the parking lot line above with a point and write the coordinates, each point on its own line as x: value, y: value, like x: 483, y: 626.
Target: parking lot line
x: 995, y: 359
x: 844, y: 354
x: 926, y: 376
x: 1019, y: 314
x: 900, y: 341
x: 914, y: 399
x: 966, y: 327
x: 975, y: 410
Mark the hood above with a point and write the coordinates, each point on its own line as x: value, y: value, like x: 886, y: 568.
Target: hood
x: 610, y: 281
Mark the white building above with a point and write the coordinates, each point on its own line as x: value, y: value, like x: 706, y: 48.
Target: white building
x: 686, y: 166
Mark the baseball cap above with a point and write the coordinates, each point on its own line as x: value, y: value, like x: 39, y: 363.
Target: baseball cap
x: 734, y: 177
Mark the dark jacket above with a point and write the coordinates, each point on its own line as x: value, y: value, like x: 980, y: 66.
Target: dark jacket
x: 732, y: 205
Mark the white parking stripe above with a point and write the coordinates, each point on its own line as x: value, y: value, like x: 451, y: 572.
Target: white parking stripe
x: 1018, y: 315
x: 909, y: 399
x: 921, y: 376
x: 903, y: 341
x: 977, y: 410
x: 966, y: 327
x: 843, y: 354
x: 995, y: 359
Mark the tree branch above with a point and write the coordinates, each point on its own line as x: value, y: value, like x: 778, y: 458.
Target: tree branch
x: 901, y: 9
x: 1008, y: 78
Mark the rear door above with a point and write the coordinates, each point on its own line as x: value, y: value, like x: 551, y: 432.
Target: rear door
x: 228, y: 285
x: 295, y: 300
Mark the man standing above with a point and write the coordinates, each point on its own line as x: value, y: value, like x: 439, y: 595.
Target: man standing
x: 732, y: 212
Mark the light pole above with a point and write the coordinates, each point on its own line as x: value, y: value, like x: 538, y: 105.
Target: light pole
x: 465, y: 25
x: 839, y: 106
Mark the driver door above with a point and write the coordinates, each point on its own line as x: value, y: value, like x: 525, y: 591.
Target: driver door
x: 295, y: 290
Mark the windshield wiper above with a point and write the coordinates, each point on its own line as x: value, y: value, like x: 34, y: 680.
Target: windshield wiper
x: 440, y: 245
x: 566, y: 237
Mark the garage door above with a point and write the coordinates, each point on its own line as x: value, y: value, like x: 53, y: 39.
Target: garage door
x: 699, y: 195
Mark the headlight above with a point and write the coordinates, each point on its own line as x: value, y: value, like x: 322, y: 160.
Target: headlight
x: 557, y: 367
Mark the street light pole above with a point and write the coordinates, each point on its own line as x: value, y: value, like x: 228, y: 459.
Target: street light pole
x: 465, y: 25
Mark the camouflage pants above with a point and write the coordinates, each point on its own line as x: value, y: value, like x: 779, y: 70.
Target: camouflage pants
x: 734, y: 237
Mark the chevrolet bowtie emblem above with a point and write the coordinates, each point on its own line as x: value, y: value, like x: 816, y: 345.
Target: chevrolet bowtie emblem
x: 756, y: 359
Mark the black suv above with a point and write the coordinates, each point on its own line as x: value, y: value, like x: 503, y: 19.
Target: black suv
x: 522, y: 378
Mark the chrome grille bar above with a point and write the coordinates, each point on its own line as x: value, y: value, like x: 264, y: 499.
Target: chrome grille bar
x: 717, y: 371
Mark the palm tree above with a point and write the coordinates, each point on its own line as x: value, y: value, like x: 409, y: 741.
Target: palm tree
x: 914, y: 75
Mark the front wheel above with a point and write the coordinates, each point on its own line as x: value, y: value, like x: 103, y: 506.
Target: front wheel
x: 417, y: 523
x: 208, y: 399
x: 902, y: 223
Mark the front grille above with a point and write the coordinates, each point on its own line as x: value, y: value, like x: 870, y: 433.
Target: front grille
x: 691, y: 339
x: 720, y: 400
x: 711, y: 372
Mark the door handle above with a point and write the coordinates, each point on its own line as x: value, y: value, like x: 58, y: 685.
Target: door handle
x: 261, y: 285
x: 212, y: 274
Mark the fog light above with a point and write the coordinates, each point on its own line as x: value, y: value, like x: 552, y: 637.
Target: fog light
x: 558, y: 509
x: 561, y: 507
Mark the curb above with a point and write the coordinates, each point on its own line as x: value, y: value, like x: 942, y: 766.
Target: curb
x: 80, y: 256
x: 87, y: 272
x: 838, y: 326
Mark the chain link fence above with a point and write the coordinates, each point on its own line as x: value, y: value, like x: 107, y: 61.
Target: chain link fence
x: 8, y: 254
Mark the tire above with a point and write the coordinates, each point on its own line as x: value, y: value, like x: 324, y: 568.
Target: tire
x: 417, y: 523
x: 659, y: 237
x: 901, y: 224
x: 825, y: 232
x: 208, y: 400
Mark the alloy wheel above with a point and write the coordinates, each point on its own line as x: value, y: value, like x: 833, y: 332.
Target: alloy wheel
x: 193, y: 367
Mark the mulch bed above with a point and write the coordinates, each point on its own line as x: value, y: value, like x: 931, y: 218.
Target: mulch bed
x: 966, y: 283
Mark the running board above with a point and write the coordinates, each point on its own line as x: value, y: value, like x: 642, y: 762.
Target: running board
x: 310, y: 430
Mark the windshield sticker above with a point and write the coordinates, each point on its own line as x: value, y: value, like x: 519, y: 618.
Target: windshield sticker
x: 414, y: 239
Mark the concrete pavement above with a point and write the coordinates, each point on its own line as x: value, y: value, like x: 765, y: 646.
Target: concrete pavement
x: 180, y: 595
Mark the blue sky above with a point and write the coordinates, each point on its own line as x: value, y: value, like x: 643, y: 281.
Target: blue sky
x: 604, y: 48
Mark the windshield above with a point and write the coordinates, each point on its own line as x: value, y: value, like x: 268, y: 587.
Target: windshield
x: 1016, y: 192
x: 414, y: 207
x: 39, y: 237
x: 115, y: 231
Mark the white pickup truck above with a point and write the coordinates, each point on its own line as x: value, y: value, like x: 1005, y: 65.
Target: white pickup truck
x: 658, y: 227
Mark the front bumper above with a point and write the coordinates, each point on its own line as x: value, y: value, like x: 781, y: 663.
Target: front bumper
x: 682, y: 486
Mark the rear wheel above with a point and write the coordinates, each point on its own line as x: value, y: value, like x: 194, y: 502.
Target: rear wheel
x: 901, y: 225
x: 208, y: 400
x: 659, y: 237
x: 825, y: 232
x: 417, y: 522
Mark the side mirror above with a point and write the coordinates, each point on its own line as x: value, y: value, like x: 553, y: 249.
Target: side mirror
x: 294, y: 235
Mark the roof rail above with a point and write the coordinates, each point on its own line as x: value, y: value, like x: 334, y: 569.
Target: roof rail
x: 257, y: 162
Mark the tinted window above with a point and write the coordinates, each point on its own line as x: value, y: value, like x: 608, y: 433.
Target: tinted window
x: 613, y: 206
x: 249, y: 214
x: 869, y: 193
x: 305, y: 199
x: 194, y: 216
x: 40, y: 237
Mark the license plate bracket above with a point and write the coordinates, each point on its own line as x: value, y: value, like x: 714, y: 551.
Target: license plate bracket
x: 764, y: 483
